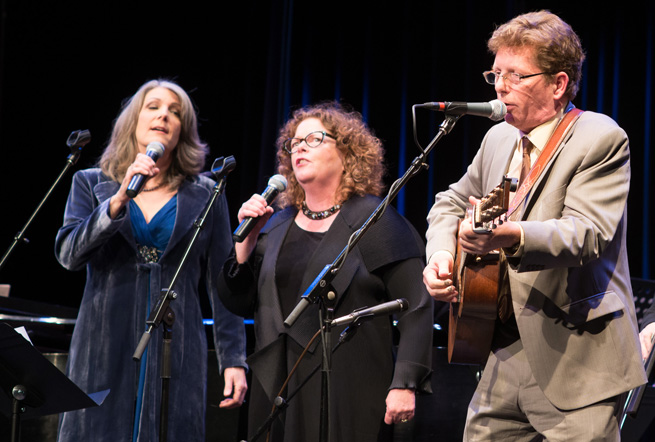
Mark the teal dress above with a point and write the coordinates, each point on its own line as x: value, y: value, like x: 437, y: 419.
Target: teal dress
x: 152, y: 239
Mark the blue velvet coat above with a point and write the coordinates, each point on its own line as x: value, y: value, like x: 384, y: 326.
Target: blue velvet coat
x: 114, y: 309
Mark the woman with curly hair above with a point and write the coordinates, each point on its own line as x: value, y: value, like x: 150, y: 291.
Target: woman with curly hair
x: 333, y: 166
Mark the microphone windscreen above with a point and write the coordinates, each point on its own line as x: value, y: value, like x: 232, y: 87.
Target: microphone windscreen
x: 279, y: 182
x: 498, y: 110
x: 155, y: 148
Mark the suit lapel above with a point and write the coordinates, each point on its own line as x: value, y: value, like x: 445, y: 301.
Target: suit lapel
x: 331, y: 245
x: 503, y: 150
x: 536, y: 188
x: 275, y: 231
x: 328, y: 250
x: 191, y: 200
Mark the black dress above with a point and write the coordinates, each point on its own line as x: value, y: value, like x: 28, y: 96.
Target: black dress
x: 386, y: 264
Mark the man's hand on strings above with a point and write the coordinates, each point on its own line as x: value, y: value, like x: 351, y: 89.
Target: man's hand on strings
x: 506, y: 234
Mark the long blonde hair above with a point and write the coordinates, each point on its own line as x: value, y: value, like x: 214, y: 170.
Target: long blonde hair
x: 189, y: 156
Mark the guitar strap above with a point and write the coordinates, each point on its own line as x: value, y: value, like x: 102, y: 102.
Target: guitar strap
x: 505, y: 308
x: 563, y: 128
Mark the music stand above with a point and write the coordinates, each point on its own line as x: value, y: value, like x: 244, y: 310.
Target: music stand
x: 32, y: 386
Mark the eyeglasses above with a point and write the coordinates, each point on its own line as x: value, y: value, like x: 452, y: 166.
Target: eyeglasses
x: 491, y: 77
x: 314, y: 139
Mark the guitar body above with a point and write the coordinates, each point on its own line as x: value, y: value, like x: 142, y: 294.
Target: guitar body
x: 477, y: 280
x: 472, y: 319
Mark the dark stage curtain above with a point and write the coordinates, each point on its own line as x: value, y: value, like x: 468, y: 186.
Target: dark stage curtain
x: 247, y: 65
x: 66, y: 66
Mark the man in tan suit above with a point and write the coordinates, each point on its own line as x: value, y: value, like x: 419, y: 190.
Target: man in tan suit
x: 567, y: 348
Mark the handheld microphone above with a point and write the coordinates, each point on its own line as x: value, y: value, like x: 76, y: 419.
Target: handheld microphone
x: 276, y: 184
x: 495, y: 109
x: 386, y: 308
x: 154, y: 151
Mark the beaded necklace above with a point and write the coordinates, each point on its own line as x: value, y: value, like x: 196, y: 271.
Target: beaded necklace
x: 321, y: 214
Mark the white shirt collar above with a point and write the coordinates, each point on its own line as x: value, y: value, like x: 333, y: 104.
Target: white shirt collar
x: 540, y: 135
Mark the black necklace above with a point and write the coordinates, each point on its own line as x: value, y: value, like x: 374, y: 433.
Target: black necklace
x: 158, y: 186
x: 319, y: 215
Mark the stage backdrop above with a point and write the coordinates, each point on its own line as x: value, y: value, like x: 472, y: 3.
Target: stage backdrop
x: 65, y: 67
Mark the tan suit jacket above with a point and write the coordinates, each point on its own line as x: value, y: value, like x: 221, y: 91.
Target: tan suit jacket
x: 571, y: 283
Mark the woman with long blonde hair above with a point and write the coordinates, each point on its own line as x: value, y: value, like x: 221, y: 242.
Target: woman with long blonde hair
x: 131, y: 249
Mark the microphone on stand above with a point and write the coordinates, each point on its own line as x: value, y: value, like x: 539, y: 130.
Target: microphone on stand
x: 276, y: 184
x: 221, y: 167
x: 495, y: 109
x: 386, y: 308
x: 79, y: 138
x: 154, y: 151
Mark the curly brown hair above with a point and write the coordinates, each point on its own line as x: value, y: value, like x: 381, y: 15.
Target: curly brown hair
x: 362, y: 152
x: 557, y: 47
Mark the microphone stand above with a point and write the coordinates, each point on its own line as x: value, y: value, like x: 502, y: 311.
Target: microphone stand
x: 280, y: 403
x: 320, y: 290
x: 76, y: 141
x: 163, y: 312
x: 327, y: 315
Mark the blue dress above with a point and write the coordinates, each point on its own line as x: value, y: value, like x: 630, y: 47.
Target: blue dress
x: 152, y: 239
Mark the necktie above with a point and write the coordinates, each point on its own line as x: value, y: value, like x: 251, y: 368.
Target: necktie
x: 525, y: 158
x: 505, y: 309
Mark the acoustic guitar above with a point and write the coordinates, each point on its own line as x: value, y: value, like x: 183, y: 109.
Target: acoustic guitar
x: 476, y: 278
